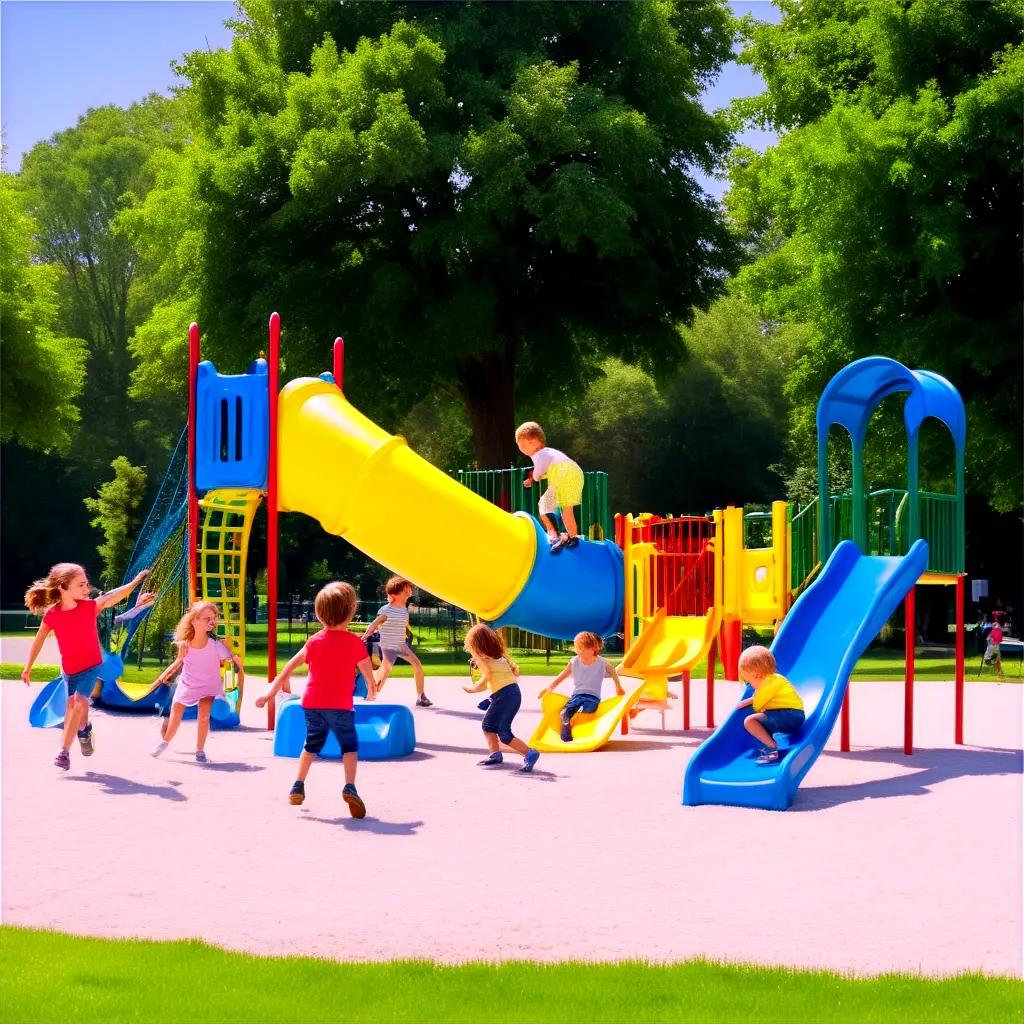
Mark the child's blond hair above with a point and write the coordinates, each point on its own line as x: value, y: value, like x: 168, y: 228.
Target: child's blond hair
x: 185, y: 630
x: 46, y: 592
x: 482, y: 641
x: 335, y: 604
x: 532, y: 431
x: 589, y: 640
x: 396, y: 585
x: 757, y: 660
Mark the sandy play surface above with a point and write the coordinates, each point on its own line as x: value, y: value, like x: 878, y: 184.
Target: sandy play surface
x: 885, y: 861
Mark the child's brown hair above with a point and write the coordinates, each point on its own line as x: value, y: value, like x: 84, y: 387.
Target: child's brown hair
x: 757, y: 659
x: 335, y: 604
x: 46, y: 592
x: 589, y: 640
x: 531, y: 430
x: 396, y: 585
x: 483, y: 641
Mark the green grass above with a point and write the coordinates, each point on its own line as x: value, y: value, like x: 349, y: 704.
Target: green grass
x: 49, y: 976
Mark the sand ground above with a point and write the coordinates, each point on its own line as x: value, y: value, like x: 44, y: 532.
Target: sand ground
x: 885, y: 861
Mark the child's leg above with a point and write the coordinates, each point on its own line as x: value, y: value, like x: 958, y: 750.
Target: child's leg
x: 203, y: 722
x: 493, y: 744
x: 417, y: 669
x: 753, y: 725
x: 549, y: 526
x: 350, y: 761
x: 170, y: 727
x: 382, y: 673
x: 305, y: 760
x: 516, y: 744
x: 72, y: 718
x: 569, y: 518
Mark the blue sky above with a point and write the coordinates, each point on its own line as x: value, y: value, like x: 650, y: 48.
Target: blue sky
x: 58, y: 58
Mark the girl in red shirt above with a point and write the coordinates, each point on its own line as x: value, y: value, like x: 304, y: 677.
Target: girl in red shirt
x: 62, y: 598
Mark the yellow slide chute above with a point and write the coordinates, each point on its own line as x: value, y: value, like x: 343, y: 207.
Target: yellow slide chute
x: 369, y: 487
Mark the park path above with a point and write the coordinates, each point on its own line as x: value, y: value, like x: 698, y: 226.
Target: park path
x: 885, y: 862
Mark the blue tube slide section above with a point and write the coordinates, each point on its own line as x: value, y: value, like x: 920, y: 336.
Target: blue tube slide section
x: 577, y: 589
x: 817, y: 647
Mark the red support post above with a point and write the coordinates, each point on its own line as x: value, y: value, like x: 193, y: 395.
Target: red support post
x: 908, y: 690
x: 686, y: 700
x: 339, y: 363
x: 711, y: 684
x: 273, y: 369
x: 193, y: 497
x: 844, y: 722
x: 958, y: 730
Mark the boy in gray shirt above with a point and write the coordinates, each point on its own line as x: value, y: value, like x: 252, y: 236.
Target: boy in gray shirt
x: 588, y: 670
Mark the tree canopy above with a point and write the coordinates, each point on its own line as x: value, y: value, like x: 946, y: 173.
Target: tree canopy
x: 887, y: 218
x: 480, y: 195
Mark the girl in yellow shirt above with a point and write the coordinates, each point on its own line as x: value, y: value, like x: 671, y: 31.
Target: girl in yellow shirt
x: 777, y: 706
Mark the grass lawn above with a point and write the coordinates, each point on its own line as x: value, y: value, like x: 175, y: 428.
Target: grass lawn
x: 49, y: 976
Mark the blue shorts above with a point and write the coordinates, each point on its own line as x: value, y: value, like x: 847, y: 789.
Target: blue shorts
x: 579, y: 704
x: 504, y: 707
x: 320, y: 721
x: 784, y: 720
x: 84, y: 681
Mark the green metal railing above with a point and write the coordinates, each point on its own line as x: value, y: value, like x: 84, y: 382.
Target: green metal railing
x: 803, y: 544
x: 504, y: 488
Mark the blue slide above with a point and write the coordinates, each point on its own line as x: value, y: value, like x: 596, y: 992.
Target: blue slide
x: 825, y: 633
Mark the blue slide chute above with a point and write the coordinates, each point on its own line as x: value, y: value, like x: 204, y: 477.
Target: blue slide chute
x: 828, y: 629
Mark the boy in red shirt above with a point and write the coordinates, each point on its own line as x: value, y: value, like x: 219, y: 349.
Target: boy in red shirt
x: 993, y: 654
x: 333, y: 655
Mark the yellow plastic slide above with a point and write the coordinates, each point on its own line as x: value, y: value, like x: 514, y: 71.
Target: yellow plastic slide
x: 589, y: 732
x: 369, y: 487
x: 668, y: 646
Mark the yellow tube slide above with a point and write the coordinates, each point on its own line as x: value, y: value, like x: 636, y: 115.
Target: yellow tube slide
x: 369, y: 487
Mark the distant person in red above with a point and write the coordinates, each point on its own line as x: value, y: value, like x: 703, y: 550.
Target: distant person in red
x: 63, y: 601
x: 992, y: 653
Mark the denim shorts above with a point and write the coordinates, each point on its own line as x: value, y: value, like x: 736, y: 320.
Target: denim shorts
x: 784, y: 720
x: 504, y: 708
x: 82, y: 682
x: 579, y: 703
x: 320, y: 721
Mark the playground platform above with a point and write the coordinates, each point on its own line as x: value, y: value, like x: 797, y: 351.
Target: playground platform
x: 885, y: 861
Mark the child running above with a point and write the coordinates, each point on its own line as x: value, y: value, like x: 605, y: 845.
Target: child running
x: 199, y: 656
x: 62, y: 598
x: 393, y: 622
x: 565, y: 484
x: 777, y: 706
x: 499, y: 672
x: 333, y: 655
x: 588, y: 670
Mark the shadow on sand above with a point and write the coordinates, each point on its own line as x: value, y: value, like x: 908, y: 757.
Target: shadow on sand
x: 928, y: 767
x: 118, y: 786
x: 370, y: 824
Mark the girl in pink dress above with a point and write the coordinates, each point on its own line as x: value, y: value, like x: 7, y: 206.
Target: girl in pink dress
x: 199, y: 656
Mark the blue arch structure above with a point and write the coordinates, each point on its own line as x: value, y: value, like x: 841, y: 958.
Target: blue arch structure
x: 850, y: 399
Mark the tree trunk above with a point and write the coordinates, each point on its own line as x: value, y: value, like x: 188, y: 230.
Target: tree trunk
x: 487, y: 387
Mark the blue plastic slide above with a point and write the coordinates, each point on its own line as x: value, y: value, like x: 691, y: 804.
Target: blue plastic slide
x: 820, y: 641
x: 385, y: 731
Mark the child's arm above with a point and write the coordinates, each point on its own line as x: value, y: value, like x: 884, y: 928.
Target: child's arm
x: 37, y: 645
x: 615, y: 679
x: 171, y: 670
x: 239, y: 667
x: 748, y: 703
x: 528, y: 482
x: 485, y: 675
x: 118, y: 594
x: 561, y: 677
x: 366, y: 671
x: 282, y: 677
x: 379, y: 621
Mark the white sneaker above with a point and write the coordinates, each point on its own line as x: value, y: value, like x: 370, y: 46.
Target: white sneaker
x: 158, y: 749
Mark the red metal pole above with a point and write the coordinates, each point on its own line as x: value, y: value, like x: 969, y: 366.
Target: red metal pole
x: 686, y: 700
x: 844, y: 722
x: 958, y: 733
x: 339, y: 363
x: 711, y: 684
x: 908, y: 693
x: 193, y: 498
x: 273, y: 368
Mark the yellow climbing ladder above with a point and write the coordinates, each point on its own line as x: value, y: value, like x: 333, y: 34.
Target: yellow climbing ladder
x: 228, y: 516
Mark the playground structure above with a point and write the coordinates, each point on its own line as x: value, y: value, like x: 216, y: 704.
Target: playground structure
x: 680, y: 588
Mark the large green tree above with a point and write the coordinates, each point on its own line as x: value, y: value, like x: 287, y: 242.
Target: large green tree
x: 479, y: 195
x: 887, y: 218
x: 43, y: 371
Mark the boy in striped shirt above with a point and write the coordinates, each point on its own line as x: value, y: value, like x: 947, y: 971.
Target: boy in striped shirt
x: 393, y: 621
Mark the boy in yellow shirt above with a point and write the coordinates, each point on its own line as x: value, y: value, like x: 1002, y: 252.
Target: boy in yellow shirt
x: 777, y: 706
